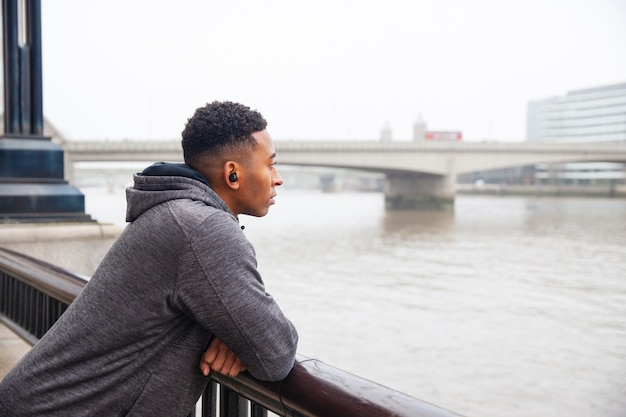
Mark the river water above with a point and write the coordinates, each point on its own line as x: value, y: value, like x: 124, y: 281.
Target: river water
x: 510, y: 306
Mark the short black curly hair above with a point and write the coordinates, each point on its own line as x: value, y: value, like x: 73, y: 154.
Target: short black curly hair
x: 218, y: 127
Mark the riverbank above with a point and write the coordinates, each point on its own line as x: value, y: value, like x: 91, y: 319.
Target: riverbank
x: 617, y: 191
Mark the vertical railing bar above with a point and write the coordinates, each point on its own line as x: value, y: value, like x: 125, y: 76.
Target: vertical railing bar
x: 36, y: 300
x: 4, y: 295
x: 12, y: 311
x: 243, y: 406
x: 223, y: 403
x: 7, y: 309
x: 19, y: 319
x: 54, y: 312
x: 39, y: 319
x: 257, y: 410
x: 207, y: 402
x: 52, y: 307
x: 11, y: 301
x: 229, y: 403
x: 46, y: 314
x: 28, y: 314
x: 15, y: 304
x: 51, y: 304
x: 2, y: 292
x: 8, y: 305
x: 32, y: 302
x: 215, y: 399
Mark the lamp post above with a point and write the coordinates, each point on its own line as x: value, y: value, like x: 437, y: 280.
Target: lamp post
x: 32, y: 185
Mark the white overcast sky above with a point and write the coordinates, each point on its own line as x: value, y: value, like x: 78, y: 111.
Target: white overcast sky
x: 324, y: 69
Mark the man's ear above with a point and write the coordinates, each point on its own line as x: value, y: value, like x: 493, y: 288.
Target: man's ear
x: 231, y: 174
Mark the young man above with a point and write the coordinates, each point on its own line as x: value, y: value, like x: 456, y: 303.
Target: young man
x: 181, y: 277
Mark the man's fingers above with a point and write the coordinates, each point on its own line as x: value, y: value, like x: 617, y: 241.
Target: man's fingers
x: 236, y: 368
x: 209, y: 355
x: 213, y: 350
x: 219, y: 358
x: 229, y: 361
x: 205, y: 368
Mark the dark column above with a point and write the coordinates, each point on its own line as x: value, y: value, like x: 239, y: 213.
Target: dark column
x: 32, y: 187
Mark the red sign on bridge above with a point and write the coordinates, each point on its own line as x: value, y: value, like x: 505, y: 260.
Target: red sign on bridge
x: 443, y: 135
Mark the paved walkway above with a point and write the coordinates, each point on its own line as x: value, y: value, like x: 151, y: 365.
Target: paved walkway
x: 12, y: 348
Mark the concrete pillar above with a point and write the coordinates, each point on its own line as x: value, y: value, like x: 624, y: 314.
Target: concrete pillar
x: 412, y: 191
x: 328, y: 183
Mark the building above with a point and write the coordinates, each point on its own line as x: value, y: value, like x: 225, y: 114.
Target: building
x: 590, y: 115
x: 385, y: 133
x: 419, y: 129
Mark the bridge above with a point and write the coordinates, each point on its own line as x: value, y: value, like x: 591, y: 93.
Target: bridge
x: 419, y: 175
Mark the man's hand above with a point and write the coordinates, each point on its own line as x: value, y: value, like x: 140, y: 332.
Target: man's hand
x: 219, y: 358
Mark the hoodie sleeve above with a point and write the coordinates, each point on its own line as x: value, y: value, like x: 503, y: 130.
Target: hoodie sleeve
x: 220, y: 286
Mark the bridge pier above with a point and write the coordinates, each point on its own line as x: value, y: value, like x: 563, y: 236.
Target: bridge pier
x: 418, y: 191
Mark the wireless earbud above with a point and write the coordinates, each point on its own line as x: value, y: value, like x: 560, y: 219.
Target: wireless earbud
x: 232, y: 177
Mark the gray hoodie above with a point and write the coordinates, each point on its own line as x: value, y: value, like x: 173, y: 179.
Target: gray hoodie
x: 130, y: 344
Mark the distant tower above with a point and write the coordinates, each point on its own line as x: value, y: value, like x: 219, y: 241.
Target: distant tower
x: 385, y: 133
x: 419, y: 129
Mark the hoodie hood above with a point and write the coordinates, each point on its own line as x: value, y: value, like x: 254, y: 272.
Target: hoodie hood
x: 163, y: 182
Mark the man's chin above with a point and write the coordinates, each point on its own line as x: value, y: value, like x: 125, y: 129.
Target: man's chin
x: 259, y: 213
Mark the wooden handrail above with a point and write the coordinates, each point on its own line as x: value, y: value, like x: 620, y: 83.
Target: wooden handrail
x: 52, y: 280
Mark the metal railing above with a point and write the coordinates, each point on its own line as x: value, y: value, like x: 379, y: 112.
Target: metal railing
x: 34, y: 294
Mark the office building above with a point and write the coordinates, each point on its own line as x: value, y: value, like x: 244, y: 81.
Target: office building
x: 589, y: 115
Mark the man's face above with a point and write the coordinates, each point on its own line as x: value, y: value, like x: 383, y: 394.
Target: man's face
x: 259, y: 178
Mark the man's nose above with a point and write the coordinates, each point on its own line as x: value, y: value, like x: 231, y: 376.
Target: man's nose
x: 278, y: 180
